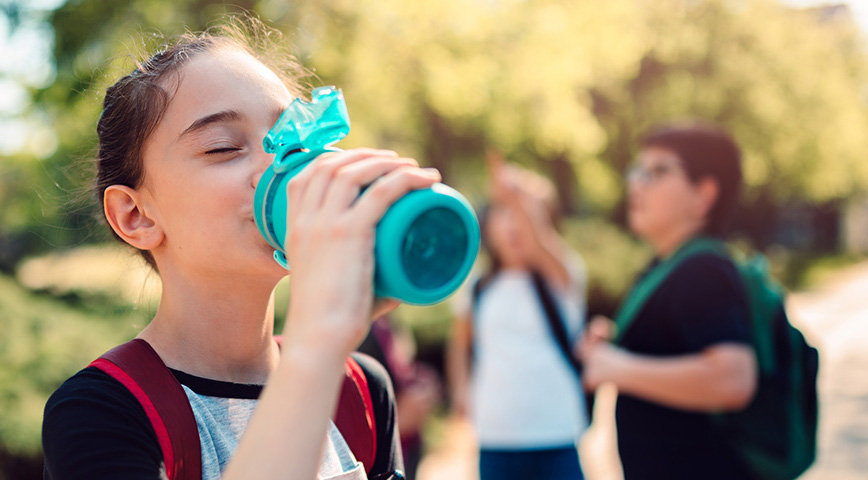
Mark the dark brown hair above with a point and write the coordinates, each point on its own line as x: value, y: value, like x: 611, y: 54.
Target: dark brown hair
x: 136, y: 103
x: 705, y: 151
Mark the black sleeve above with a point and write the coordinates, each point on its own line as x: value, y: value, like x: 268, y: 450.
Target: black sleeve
x: 94, y: 428
x: 707, y: 303
x: 371, y: 347
x: 389, y: 456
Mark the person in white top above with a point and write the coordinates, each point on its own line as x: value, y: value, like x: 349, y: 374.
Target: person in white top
x: 505, y: 367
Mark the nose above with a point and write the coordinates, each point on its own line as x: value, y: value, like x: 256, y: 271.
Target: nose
x: 262, y: 160
x: 633, y: 190
x: 635, y: 182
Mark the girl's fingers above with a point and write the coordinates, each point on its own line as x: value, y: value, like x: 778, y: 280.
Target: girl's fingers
x: 306, y: 190
x: 383, y: 306
x: 374, y: 202
x: 352, y: 178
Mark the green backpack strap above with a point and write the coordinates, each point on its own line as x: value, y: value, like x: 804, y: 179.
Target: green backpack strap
x: 765, y: 298
x: 776, y: 434
x: 648, y: 284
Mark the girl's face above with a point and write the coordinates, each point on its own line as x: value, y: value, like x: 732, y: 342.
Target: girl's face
x: 505, y: 236
x: 662, y: 199
x: 204, y: 159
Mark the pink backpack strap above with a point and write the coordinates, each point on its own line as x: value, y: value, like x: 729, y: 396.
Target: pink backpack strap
x: 355, y: 415
x: 138, y: 368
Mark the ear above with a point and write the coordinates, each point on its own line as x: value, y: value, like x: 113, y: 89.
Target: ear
x: 707, y: 192
x: 127, y: 216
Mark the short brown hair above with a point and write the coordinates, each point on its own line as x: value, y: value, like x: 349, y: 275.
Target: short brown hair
x: 705, y: 151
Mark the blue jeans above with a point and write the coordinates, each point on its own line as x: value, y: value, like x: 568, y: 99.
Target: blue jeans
x: 541, y: 464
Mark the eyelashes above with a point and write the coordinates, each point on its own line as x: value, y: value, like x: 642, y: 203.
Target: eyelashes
x: 222, y: 150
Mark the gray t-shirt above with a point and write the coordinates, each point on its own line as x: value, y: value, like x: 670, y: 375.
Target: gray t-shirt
x: 94, y: 428
x: 221, y: 422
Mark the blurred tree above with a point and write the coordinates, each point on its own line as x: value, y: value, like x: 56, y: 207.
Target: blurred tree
x: 445, y: 80
x: 788, y: 83
x: 570, y: 86
x: 46, y: 195
x: 564, y: 87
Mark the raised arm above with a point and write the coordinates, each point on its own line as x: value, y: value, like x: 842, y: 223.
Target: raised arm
x: 547, y: 252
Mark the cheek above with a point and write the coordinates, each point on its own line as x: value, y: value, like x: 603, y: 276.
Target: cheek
x: 499, y: 235
x: 655, y: 208
x: 227, y: 182
x: 495, y: 233
x: 198, y: 201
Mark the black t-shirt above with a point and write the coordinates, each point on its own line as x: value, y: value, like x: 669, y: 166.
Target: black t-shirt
x: 700, y: 304
x: 94, y: 428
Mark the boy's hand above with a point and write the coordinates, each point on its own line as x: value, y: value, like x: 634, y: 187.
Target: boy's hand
x: 595, y: 351
x: 602, y: 363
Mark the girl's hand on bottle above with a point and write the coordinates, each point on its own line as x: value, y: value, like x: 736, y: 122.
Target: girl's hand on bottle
x: 330, y: 243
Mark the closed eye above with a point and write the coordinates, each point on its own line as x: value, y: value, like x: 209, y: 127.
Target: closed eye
x: 217, y: 151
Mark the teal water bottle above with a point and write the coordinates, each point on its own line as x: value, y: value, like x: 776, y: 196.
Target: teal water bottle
x: 426, y: 241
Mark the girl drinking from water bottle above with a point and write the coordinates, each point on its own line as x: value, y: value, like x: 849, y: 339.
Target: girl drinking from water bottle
x: 180, y: 154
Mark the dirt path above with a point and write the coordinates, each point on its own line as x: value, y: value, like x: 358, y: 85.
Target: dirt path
x: 834, y: 317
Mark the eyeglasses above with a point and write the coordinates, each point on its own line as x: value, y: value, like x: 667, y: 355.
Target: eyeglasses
x: 649, y: 176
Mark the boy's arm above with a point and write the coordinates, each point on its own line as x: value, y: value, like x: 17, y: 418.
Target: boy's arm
x: 722, y: 377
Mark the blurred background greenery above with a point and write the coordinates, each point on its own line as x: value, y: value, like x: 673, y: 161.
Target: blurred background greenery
x: 562, y: 87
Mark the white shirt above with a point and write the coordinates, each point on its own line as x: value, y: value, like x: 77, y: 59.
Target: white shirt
x: 524, y: 394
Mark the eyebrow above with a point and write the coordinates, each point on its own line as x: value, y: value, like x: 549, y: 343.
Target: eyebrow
x: 219, y: 117
x: 222, y: 117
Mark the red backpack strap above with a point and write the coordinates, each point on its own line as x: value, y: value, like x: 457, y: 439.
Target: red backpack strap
x: 355, y: 415
x: 138, y: 368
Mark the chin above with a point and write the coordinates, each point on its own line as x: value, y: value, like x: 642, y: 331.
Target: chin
x: 637, y: 226
x: 269, y: 264
x: 261, y: 259
x: 633, y: 221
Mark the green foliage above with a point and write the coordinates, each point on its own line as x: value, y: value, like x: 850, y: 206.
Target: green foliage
x: 76, y: 305
x: 612, y: 258
x: 584, y: 79
x: 45, y: 340
x: 777, y: 77
x: 563, y: 87
x: 430, y: 324
x: 799, y: 271
x: 443, y: 87
x: 95, y: 42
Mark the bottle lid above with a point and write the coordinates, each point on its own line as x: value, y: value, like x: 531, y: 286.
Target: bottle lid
x: 310, y: 125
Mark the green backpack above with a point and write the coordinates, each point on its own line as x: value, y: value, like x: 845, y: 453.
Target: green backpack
x: 776, y: 434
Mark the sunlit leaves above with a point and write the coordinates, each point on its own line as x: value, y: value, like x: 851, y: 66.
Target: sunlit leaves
x: 442, y: 81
